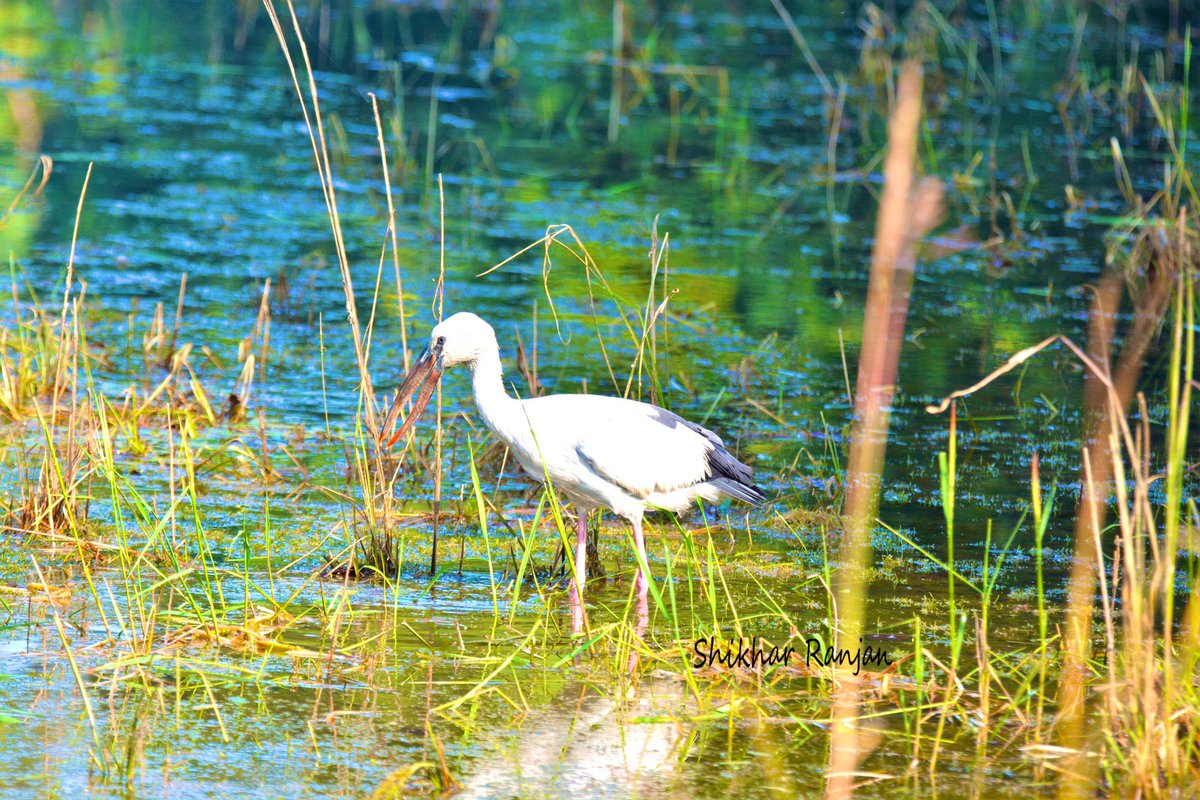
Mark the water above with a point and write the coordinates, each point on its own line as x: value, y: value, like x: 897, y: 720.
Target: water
x: 202, y: 167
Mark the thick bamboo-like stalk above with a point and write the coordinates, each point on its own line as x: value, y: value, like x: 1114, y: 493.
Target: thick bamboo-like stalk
x: 907, y: 211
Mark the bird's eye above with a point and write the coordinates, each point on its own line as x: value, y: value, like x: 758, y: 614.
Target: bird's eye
x: 441, y: 340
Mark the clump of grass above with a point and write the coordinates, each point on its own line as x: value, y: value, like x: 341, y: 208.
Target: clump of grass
x: 54, y: 503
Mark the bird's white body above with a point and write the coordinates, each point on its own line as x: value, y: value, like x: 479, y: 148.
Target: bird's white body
x: 602, y: 452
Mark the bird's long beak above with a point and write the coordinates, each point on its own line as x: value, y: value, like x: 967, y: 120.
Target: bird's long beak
x: 423, y: 376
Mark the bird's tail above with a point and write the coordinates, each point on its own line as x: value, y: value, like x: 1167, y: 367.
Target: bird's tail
x: 746, y: 492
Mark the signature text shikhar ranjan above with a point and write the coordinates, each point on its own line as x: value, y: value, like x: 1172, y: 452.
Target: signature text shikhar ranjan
x: 711, y: 650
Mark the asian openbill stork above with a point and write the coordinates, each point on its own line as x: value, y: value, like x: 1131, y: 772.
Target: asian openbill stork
x: 601, y: 452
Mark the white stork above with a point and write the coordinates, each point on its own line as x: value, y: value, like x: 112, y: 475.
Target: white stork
x: 601, y: 452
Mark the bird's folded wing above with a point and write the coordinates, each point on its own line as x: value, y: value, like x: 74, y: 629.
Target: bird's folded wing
x: 646, y: 450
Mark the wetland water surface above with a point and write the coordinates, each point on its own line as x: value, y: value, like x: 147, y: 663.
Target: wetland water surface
x: 312, y: 683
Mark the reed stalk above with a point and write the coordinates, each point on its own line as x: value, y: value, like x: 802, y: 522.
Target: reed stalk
x: 907, y: 210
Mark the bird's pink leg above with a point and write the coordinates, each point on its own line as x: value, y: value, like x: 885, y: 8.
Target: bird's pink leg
x: 643, y: 580
x: 576, y: 593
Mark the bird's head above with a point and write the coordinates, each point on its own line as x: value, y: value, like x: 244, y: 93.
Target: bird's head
x: 461, y: 339
x: 458, y: 339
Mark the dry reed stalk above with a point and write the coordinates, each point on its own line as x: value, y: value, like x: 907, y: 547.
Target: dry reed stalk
x: 47, y: 166
x: 1092, y: 508
x: 66, y: 303
x: 802, y: 44
x: 262, y: 327
x: 178, y: 321
x: 239, y: 397
x: 527, y: 361
x: 907, y: 211
x: 316, y: 134
x: 387, y: 185
x: 616, y: 97
x: 152, y: 342
x: 439, y: 298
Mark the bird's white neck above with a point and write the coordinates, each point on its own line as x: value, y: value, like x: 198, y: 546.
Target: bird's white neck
x: 487, y: 384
